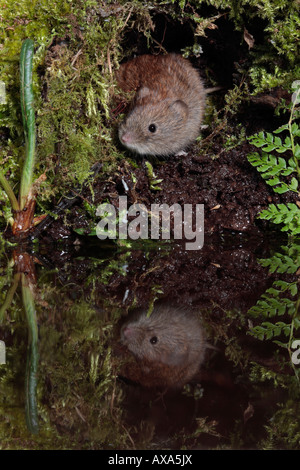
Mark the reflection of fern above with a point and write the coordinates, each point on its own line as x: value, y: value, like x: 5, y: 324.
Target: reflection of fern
x: 282, y: 299
x: 288, y: 215
x: 268, y: 330
x: 288, y: 261
x: 271, y: 302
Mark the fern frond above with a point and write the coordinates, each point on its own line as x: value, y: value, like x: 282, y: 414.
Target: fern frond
x: 288, y: 215
x: 272, y: 168
x: 268, y: 307
x: 268, y: 330
x: 268, y: 142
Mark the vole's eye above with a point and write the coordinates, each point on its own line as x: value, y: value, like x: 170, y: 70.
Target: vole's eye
x: 152, y: 128
x: 153, y: 340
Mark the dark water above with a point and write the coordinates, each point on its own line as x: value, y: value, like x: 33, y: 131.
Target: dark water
x: 63, y: 380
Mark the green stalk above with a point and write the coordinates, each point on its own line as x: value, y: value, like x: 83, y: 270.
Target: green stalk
x: 31, y: 408
x: 296, y: 314
x: 9, y: 296
x: 291, y: 133
x: 28, y: 118
x: 10, y: 194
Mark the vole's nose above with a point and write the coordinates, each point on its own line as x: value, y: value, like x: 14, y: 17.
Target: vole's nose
x: 126, y: 138
x: 127, y: 332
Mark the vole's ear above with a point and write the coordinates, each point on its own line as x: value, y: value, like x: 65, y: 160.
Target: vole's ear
x: 180, y: 108
x: 142, y: 93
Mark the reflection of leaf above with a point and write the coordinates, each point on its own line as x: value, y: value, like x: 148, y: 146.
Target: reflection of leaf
x: 84, y: 231
x: 275, y: 301
x: 270, y: 307
x: 268, y: 330
x: 286, y: 262
x: 9, y: 296
x: 248, y: 413
x: 286, y: 214
x: 248, y: 38
x: 32, y: 356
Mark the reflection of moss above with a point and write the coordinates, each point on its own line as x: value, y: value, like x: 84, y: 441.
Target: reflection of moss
x: 77, y: 366
x: 76, y: 381
x: 80, y: 403
x: 283, y: 429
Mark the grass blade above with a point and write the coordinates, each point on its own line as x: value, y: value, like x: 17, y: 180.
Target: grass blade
x: 28, y: 118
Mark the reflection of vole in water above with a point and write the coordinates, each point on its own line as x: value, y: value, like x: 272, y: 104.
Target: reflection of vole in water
x: 168, y: 346
x: 167, y: 111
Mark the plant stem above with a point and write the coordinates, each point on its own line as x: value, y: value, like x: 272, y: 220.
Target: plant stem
x: 9, y: 296
x: 10, y: 194
x: 32, y: 356
x: 291, y: 133
x: 291, y: 338
x: 28, y: 117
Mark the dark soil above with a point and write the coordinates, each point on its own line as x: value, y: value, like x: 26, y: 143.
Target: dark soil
x: 232, y: 191
x: 225, y: 271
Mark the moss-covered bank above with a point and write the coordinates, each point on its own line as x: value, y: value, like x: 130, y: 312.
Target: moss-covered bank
x: 247, y: 46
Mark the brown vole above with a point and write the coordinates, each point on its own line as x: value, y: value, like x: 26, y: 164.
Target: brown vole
x: 168, y: 346
x: 167, y: 110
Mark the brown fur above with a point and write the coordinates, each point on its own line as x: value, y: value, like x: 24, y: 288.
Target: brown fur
x: 169, y: 95
x: 175, y: 357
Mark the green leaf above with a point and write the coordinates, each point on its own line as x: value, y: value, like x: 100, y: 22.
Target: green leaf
x: 287, y: 142
x: 270, y: 148
x: 294, y: 184
x: 281, y: 129
x: 28, y: 117
x: 297, y: 151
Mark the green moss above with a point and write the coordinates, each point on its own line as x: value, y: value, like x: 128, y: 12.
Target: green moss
x: 77, y: 48
x: 276, y: 43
